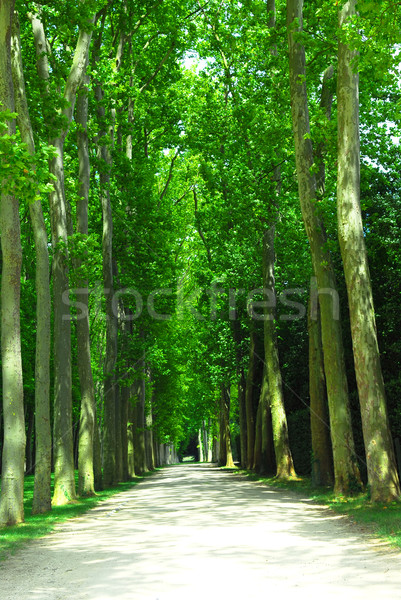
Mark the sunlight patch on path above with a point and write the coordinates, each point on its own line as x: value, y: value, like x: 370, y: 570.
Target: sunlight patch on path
x: 194, y: 532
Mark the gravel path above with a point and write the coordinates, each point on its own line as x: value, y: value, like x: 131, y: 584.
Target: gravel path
x: 194, y: 532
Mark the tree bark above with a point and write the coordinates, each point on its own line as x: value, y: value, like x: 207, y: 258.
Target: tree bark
x: 150, y: 458
x: 346, y: 472
x: 285, y: 466
x: 124, y: 399
x: 42, y: 480
x: 139, y: 424
x: 225, y: 454
x: 109, y: 425
x: 64, y: 479
x: 242, y: 419
x: 267, y: 461
x: 86, y: 483
x: 322, y: 460
x: 383, y: 477
x: 118, y: 475
x: 12, y: 475
x: 249, y: 405
x: 130, y: 437
x: 257, y: 454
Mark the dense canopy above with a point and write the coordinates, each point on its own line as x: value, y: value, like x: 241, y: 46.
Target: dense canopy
x: 200, y: 233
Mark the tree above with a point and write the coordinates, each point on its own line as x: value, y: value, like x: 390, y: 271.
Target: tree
x: 42, y: 490
x: 382, y: 469
x: 285, y: 467
x: 12, y: 480
x: 346, y: 471
x: 64, y: 485
x: 86, y: 478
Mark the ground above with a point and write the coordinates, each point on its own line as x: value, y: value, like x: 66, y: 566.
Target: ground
x: 195, y: 532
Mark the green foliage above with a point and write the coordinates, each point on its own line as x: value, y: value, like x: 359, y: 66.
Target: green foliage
x: 22, y: 174
x: 191, y: 204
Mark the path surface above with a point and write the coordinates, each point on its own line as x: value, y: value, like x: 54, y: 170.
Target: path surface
x: 193, y: 532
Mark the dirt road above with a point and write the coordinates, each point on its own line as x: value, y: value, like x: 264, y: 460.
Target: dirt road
x: 193, y: 532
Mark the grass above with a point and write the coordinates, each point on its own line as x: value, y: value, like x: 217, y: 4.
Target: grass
x: 36, y: 526
x: 381, y: 520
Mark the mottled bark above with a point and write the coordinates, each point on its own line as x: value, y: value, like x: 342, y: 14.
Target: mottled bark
x: 64, y: 481
x: 42, y: 480
x: 139, y: 423
x: 257, y: 453
x: 242, y: 419
x: 124, y: 398
x: 326, y: 101
x: 64, y: 478
x: 97, y: 456
x: 347, y: 477
x: 118, y: 474
x: 130, y: 437
x: 12, y: 476
x: 267, y: 460
x: 225, y: 453
x: 383, y: 477
x: 150, y: 459
x: 285, y: 466
x: 249, y: 405
x: 86, y: 483
x: 322, y: 459
x: 109, y: 425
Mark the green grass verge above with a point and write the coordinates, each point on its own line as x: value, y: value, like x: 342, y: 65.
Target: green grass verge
x: 36, y: 526
x: 381, y: 520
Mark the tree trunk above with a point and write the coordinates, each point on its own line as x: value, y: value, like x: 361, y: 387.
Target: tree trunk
x: 30, y: 441
x: 124, y: 399
x: 139, y: 425
x: 118, y: 476
x: 257, y: 454
x: 285, y: 466
x: 156, y: 448
x: 150, y: 458
x: 97, y: 456
x: 200, y: 446
x: 222, y: 456
x: 322, y: 460
x: 43, y: 441
x: 109, y: 425
x: 130, y: 437
x: 64, y: 480
x: 242, y: 419
x: 225, y: 455
x: 64, y: 477
x: 12, y: 476
x: 86, y: 483
x: 249, y: 404
x: 382, y: 470
x: 267, y: 462
x: 347, y: 477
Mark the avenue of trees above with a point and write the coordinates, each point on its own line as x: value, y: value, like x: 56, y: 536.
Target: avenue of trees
x: 200, y: 231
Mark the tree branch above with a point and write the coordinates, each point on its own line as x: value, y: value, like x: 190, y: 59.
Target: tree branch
x: 170, y: 174
x: 199, y: 229
x: 158, y: 68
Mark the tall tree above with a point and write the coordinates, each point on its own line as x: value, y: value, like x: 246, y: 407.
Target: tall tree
x: 64, y: 479
x: 346, y: 471
x: 284, y: 462
x: 382, y: 469
x: 12, y: 477
x: 86, y: 483
x: 42, y: 490
x: 322, y: 462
